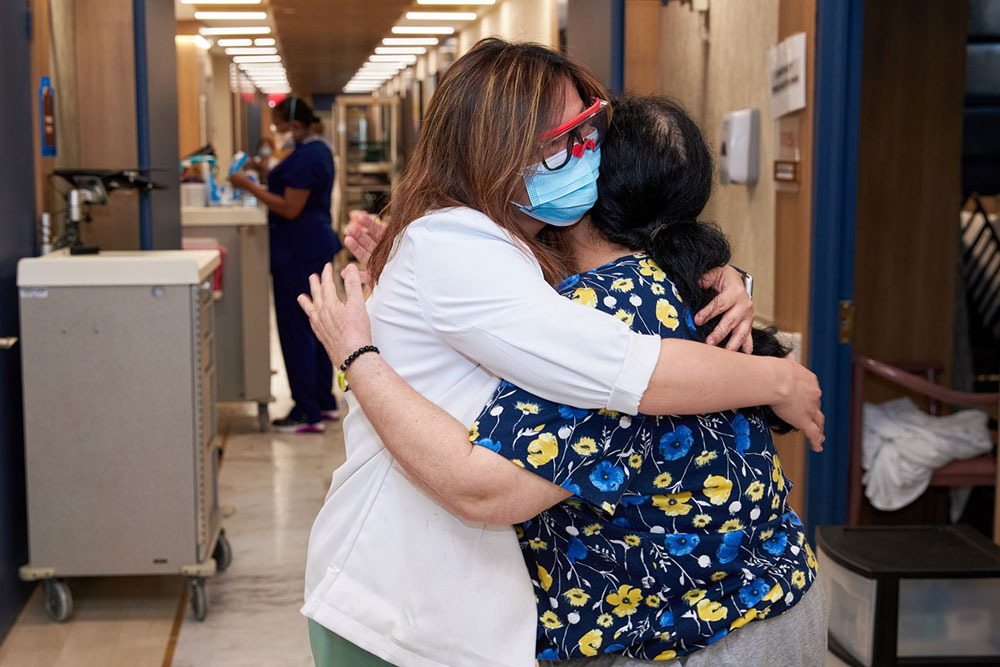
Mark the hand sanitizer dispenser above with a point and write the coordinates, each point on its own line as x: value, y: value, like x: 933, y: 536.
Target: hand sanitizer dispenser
x: 739, y: 152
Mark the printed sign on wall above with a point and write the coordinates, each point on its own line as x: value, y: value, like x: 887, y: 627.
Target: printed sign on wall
x: 786, y: 66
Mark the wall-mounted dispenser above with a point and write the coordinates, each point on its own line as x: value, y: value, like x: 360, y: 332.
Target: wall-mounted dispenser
x: 739, y: 151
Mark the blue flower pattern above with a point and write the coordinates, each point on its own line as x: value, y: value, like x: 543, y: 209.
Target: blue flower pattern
x: 678, y: 531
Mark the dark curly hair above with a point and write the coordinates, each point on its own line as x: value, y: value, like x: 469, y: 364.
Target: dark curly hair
x: 656, y: 177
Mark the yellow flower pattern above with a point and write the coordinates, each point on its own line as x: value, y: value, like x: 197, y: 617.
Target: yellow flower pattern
x: 625, y: 600
x: 676, y: 504
x: 666, y: 313
x: 542, y: 449
x: 590, y: 642
x: 585, y: 296
x: 717, y: 489
x: 652, y: 554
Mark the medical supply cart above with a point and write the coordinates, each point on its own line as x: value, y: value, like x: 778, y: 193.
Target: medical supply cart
x: 120, y: 428
x: 242, y: 299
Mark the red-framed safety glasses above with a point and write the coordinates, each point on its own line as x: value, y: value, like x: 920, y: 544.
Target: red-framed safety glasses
x: 573, y: 138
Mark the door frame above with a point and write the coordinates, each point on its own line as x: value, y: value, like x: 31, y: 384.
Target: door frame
x: 835, y: 188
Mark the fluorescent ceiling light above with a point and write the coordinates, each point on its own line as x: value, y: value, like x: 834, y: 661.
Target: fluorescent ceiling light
x: 392, y: 59
x: 410, y: 41
x: 432, y: 16
x: 244, y: 30
x: 382, y: 67
x: 230, y: 16
x: 220, y: 2
x: 262, y: 41
x: 428, y: 30
x: 400, y: 50
x: 257, y: 59
x: 456, y: 2
x: 252, y: 51
x: 235, y: 42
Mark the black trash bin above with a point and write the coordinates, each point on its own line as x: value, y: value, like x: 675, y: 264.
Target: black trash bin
x: 911, y: 595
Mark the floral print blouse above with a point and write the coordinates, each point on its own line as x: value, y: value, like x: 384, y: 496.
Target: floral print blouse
x: 678, y: 531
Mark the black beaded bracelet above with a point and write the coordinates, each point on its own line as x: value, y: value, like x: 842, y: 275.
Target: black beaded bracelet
x: 341, y: 377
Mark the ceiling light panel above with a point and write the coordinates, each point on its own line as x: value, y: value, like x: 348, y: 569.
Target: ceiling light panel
x: 410, y: 41
x: 262, y: 41
x: 457, y: 2
x: 437, y: 16
x: 392, y: 59
x: 257, y: 59
x: 422, y: 30
x: 400, y: 50
x: 234, y: 42
x: 230, y: 16
x: 252, y: 51
x: 242, y: 30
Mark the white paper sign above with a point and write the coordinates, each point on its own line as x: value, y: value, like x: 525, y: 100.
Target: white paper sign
x: 786, y: 66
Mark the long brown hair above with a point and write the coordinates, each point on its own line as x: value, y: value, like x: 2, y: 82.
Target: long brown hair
x: 479, y: 135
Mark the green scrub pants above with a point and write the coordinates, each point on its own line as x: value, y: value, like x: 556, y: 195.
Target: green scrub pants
x: 331, y: 650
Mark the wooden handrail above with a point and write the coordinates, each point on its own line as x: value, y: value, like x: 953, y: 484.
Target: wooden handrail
x: 919, y: 384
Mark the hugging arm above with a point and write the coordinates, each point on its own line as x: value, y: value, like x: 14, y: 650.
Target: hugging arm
x: 472, y: 481
x: 433, y: 447
x: 487, y: 300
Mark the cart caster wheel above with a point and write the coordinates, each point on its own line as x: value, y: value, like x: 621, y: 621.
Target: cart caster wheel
x: 199, y: 597
x: 58, y: 600
x: 263, y: 417
x: 223, y: 553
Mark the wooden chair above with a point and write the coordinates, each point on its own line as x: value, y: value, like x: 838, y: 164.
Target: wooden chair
x: 978, y: 471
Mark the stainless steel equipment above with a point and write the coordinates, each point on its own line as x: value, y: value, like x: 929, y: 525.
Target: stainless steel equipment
x: 120, y: 427
x: 91, y: 186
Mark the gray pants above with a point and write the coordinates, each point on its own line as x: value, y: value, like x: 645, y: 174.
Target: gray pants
x: 797, y: 638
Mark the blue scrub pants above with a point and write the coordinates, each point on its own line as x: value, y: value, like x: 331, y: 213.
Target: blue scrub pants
x: 310, y: 372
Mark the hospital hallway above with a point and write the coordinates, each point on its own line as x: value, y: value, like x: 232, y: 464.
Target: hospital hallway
x: 271, y: 487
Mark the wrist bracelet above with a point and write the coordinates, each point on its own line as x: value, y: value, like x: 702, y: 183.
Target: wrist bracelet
x: 341, y: 377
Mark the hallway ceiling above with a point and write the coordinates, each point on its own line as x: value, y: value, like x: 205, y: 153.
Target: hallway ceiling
x: 325, y: 41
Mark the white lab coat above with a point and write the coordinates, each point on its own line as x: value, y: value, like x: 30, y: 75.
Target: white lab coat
x: 458, y: 305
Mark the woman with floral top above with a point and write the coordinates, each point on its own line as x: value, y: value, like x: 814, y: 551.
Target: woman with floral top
x: 659, y: 536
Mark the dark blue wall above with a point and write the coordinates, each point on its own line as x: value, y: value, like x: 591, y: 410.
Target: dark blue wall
x: 17, y: 239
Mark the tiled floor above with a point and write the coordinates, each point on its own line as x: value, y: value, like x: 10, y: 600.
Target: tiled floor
x: 275, y: 485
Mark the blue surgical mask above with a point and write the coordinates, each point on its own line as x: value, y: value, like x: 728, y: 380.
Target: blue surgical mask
x: 563, y: 196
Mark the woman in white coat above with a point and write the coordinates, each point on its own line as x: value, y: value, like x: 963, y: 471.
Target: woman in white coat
x: 464, y: 296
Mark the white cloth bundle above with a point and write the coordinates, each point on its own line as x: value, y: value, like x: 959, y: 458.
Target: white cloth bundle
x: 903, y: 446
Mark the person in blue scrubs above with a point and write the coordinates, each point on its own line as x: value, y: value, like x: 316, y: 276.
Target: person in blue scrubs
x: 302, y: 242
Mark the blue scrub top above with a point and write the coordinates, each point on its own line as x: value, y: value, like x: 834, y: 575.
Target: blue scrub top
x: 310, y: 235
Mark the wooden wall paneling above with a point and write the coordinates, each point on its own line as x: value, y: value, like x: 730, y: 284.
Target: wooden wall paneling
x: 41, y: 65
x: 909, y: 194
x: 642, y: 46
x: 793, y: 236
x: 105, y: 73
x: 189, y: 77
x: 909, y: 188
